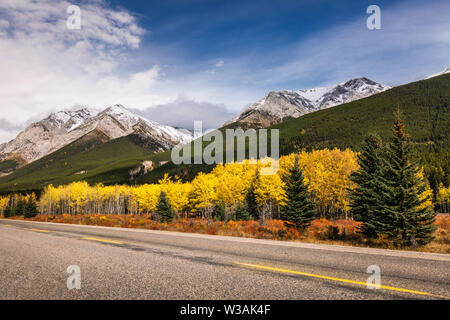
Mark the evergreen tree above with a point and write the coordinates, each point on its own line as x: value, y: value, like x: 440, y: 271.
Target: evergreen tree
x: 242, y: 212
x: 10, y: 208
x: 7, y: 212
x: 30, y: 208
x: 366, y: 200
x: 164, y: 208
x: 411, y: 221
x: 220, y: 211
x: 250, y: 199
x: 18, y: 208
x: 298, y: 211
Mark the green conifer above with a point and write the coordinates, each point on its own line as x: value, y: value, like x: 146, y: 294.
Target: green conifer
x: 242, y: 212
x: 219, y: 213
x: 366, y: 202
x: 250, y: 199
x: 164, y: 208
x: 298, y: 211
x: 410, y: 220
x: 30, y: 208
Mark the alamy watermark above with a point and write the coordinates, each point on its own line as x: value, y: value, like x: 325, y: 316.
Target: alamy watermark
x: 73, y: 22
x: 374, y: 281
x: 374, y: 20
x: 236, y: 146
x: 74, y: 280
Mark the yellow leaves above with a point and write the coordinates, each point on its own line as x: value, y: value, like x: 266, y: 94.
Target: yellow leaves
x: 203, y: 193
x: 235, y: 180
x: 269, y: 188
x: 146, y: 196
x: 177, y: 192
x: 444, y: 193
x: 427, y: 194
x: 327, y: 172
x: 78, y: 192
x: 3, y: 202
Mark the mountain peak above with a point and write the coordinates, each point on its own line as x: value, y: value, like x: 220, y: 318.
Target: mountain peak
x: 64, y: 115
x: 117, y: 107
x: 67, y: 120
x: 360, y: 81
x: 121, y: 114
x: 277, y: 106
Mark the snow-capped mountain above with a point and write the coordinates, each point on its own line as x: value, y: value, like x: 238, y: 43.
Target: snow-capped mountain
x: 64, y: 127
x: 279, y: 106
x: 65, y: 121
x: 447, y: 70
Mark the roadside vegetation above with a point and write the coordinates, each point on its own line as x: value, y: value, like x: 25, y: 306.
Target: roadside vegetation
x: 336, y: 232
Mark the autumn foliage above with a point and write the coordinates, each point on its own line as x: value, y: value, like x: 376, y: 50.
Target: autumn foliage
x: 326, y: 171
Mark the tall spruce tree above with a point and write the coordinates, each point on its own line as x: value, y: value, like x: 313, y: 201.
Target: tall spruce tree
x: 164, y: 208
x: 250, y: 199
x: 411, y: 220
x: 31, y: 209
x: 7, y: 212
x: 242, y: 213
x: 366, y: 202
x: 220, y: 211
x: 298, y: 211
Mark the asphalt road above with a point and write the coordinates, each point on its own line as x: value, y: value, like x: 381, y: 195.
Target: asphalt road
x: 120, y: 263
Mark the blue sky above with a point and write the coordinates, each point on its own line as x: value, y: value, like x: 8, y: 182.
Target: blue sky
x: 191, y: 35
x: 176, y: 61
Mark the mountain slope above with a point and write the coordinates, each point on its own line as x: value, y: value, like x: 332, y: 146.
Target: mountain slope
x: 46, y: 136
x: 93, y: 158
x: 62, y: 128
x: 425, y: 105
x: 279, y: 106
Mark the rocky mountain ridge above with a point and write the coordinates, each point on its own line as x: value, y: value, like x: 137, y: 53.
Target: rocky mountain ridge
x: 278, y: 106
x: 63, y: 127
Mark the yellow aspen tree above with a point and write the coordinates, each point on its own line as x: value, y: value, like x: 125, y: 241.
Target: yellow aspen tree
x: 203, y: 195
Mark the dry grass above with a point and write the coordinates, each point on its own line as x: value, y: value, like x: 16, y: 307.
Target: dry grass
x: 341, y: 232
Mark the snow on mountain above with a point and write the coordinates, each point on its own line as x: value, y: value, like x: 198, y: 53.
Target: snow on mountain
x: 447, y: 70
x: 67, y: 120
x: 279, y: 106
x: 63, y: 127
x: 314, y: 94
x: 349, y: 91
x: 129, y: 120
x: 274, y: 108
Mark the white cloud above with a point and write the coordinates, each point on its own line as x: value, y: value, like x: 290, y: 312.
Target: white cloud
x: 45, y: 66
x: 182, y: 112
x: 7, y: 129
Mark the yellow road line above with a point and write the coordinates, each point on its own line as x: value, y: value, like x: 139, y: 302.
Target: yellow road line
x: 101, y: 240
x: 39, y: 230
x: 337, y: 279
